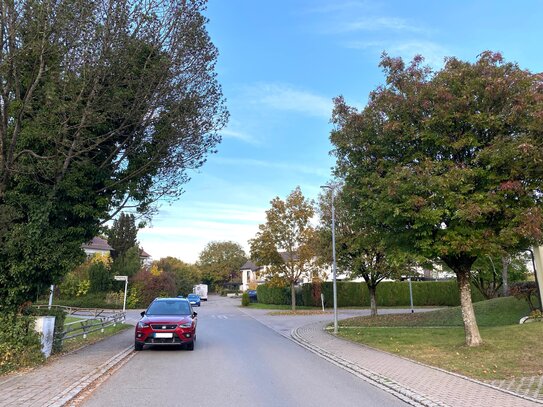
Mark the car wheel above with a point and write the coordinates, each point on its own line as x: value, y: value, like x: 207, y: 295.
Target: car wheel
x: 190, y: 345
x: 138, y: 346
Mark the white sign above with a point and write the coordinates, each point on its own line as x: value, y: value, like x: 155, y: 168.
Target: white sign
x: 120, y: 278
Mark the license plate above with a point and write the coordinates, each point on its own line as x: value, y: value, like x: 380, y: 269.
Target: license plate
x: 163, y: 335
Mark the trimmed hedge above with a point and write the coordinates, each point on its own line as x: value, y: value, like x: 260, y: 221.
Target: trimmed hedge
x: 277, y: 295
x: 389, y: 293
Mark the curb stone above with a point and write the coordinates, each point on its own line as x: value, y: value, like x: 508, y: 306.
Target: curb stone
x: 72, y: 391
x: 390, y: 386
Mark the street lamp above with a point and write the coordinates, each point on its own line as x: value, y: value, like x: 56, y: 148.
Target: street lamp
x: 125, y: 279
x: 332, y: 190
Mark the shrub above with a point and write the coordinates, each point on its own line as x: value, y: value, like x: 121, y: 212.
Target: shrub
x: 389, y: 293
x: 245, y: 299
x: 152, y: 284
x: 19, y: 343
x: 278, y: 295
x: 526, y: 290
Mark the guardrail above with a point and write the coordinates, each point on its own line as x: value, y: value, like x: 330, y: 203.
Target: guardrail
x: 94, y: 320
x: 86, y: 326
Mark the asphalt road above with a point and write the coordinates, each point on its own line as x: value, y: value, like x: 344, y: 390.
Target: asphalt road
x: 239, y: 362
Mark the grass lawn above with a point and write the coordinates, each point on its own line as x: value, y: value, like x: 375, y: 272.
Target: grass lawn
x: 93, y: 337
x: 437, y: 338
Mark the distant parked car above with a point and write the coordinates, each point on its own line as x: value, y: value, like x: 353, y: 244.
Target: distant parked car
x: 167, y: 321
x: 252, y: 295
x: 194, y: 299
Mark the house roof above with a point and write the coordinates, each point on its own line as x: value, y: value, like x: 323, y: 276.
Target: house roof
x: 249, y: 265
x: 97, y: 243
x: 143, y: 253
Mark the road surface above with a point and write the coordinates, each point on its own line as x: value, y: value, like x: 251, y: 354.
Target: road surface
x: 239, y: 362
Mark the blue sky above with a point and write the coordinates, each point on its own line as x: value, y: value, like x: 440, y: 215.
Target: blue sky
x: 281, y: 63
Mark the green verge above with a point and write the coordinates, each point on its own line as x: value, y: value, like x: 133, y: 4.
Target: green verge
x: 70, y: 345
x: 437, y: 338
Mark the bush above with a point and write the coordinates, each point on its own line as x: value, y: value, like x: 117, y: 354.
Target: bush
x: 19, y: 343
x: 526, y: 290
x: 278, y: 295
x: 152, y: 284
x: 245, y: 301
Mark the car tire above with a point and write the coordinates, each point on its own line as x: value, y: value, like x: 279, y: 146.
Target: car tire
x: 138, y: 346
x: 190, y: 345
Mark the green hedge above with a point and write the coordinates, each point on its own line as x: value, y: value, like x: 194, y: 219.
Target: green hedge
x: 277, y: 295
x: 19, y: 343
x: 389, y: 293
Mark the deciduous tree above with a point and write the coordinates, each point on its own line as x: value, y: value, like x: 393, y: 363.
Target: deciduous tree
x: 185, y: 275
x: 360, y: 250
x: 220, y: 262
x: 285, y: 244
x: 103, y: 105
x: 447, y: 164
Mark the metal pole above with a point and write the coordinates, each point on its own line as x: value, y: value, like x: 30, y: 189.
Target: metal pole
x: 51, y: 295
x: 334, y: 262
x: 410, y: 294
x: 125, y: 288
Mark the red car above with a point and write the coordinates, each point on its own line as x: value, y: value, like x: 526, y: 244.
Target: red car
x: 167, y: 321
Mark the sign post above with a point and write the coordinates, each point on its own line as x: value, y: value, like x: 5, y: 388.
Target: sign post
x: 125, y: 279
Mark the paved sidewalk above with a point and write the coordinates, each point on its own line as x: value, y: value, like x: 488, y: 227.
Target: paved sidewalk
x: 63, y: 377
x: 421, y: 384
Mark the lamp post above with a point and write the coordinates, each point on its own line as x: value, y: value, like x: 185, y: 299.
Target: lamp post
x: 334, y: 285
x: 125, y: 279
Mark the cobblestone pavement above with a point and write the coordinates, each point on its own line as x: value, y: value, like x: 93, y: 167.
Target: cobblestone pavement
x: 422, y: 384
x: 531, y: 386
x: 62, y: 377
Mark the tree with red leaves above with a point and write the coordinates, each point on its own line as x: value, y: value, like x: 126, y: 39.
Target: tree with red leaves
x: 447, y: 164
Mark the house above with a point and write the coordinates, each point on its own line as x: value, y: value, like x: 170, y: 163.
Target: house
x: 250, y: 275
x: 101, y: 246
x: 145, y: 258
x: 97, y: 245
x: 253, y: 275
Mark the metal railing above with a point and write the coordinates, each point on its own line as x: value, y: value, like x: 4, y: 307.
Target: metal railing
x: 95, y: 319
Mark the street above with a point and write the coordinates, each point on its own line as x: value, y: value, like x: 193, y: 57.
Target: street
x: 237, y: 361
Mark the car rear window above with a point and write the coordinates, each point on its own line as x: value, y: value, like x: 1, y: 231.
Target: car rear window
x: 169, y: 308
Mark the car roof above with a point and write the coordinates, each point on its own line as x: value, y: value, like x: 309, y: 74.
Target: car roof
x: 170, y: 299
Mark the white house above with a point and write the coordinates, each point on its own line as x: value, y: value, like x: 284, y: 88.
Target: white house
x: 96, y: 245
x: 101, y: 246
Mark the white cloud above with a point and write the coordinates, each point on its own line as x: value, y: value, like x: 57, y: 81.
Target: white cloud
x: 287, y: 167
x: 286, y: 97
x: 432, y: 52
x: 379, y: 24
x: 238, y: 135
x: 337, y: 6
x: 184, y: 236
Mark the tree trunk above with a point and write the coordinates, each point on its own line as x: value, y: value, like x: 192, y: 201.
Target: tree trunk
x: 505, y: 267
x: 373, y: 301
x: 293, y: 297
x: 471, y: 330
